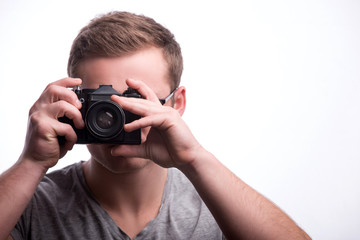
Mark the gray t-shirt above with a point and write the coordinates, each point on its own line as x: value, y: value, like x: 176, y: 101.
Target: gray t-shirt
x: 64, y: 208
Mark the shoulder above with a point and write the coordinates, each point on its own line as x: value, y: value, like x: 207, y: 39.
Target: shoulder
x: 64, y: 179
x: 59, y: 186
x: 69, y: 172
x: 180, y: 189
x: 178, y: 181
x: 183, y: 213
x: 63, y: 206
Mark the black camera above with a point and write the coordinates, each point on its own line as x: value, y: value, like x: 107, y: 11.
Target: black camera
x: 104, y: 119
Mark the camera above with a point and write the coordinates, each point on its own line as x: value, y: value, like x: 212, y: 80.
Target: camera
x: 104, y: 119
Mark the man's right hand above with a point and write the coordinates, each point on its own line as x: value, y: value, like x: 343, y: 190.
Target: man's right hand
x: 41, y: 150
x: 57, y: 100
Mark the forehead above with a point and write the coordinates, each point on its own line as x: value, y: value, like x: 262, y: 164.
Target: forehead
x: 147, y: 65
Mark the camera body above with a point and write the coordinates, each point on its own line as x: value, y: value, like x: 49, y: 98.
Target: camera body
x: 104, y: 119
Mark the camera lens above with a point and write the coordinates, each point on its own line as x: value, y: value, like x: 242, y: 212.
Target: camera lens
x: 105, y: 120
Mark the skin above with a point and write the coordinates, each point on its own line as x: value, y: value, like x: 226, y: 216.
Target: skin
x: 128, y: 181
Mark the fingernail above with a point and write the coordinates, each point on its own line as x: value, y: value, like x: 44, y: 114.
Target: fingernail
x: 132, y: 80
x: 78, y: 104
x: 77, y: 80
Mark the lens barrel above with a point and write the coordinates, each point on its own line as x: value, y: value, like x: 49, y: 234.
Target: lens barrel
x: 105, y: 119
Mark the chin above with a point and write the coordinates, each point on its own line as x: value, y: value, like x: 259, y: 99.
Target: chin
x: 120, y: 165
x: 101, y: 154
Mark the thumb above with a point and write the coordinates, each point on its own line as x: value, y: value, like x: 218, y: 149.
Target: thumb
x: 128, y: 151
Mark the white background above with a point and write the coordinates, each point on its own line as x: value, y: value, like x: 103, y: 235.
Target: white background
x: 273, y: 91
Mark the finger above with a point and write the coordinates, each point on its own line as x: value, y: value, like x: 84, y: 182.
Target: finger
x: 128, y: 151
x: 66, y: 131
x: 54, y: 93
x: 67, y: 82
x: 158, y: 121
x: 144, y: 90
x: 63, y: 108
x: 137, y: 105
x: 45, y: 129
x: 153, y: 115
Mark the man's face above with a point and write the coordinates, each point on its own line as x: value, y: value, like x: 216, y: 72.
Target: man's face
x: 147, y: 65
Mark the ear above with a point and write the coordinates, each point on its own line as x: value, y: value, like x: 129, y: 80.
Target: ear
x: 180, y: 100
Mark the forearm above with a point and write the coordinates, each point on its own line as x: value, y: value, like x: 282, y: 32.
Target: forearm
x: 17, y: 186
x: 41, y: 150
x: 240, y: 211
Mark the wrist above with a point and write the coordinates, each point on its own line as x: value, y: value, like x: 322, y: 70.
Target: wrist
x: 202, y: 159
x: 31, y: 167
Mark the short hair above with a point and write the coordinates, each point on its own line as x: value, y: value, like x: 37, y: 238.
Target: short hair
x: 116, y: 34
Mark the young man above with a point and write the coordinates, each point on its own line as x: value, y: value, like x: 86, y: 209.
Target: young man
x: 168, y: 187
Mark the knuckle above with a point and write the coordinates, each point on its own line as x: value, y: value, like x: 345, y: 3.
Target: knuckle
x: 34, y: 118
x: 33, y: 109
x: 70, y: 133
x: 172, y: 112
x: 61, y: 105
x: 52, y: 89
x: 50, y: 86
x: 73, y: 96
x: 36, y: 123
x: 66, y: 128
x: 62, y: 108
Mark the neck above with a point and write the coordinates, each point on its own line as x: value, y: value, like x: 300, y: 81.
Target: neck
x: 127, y: 193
